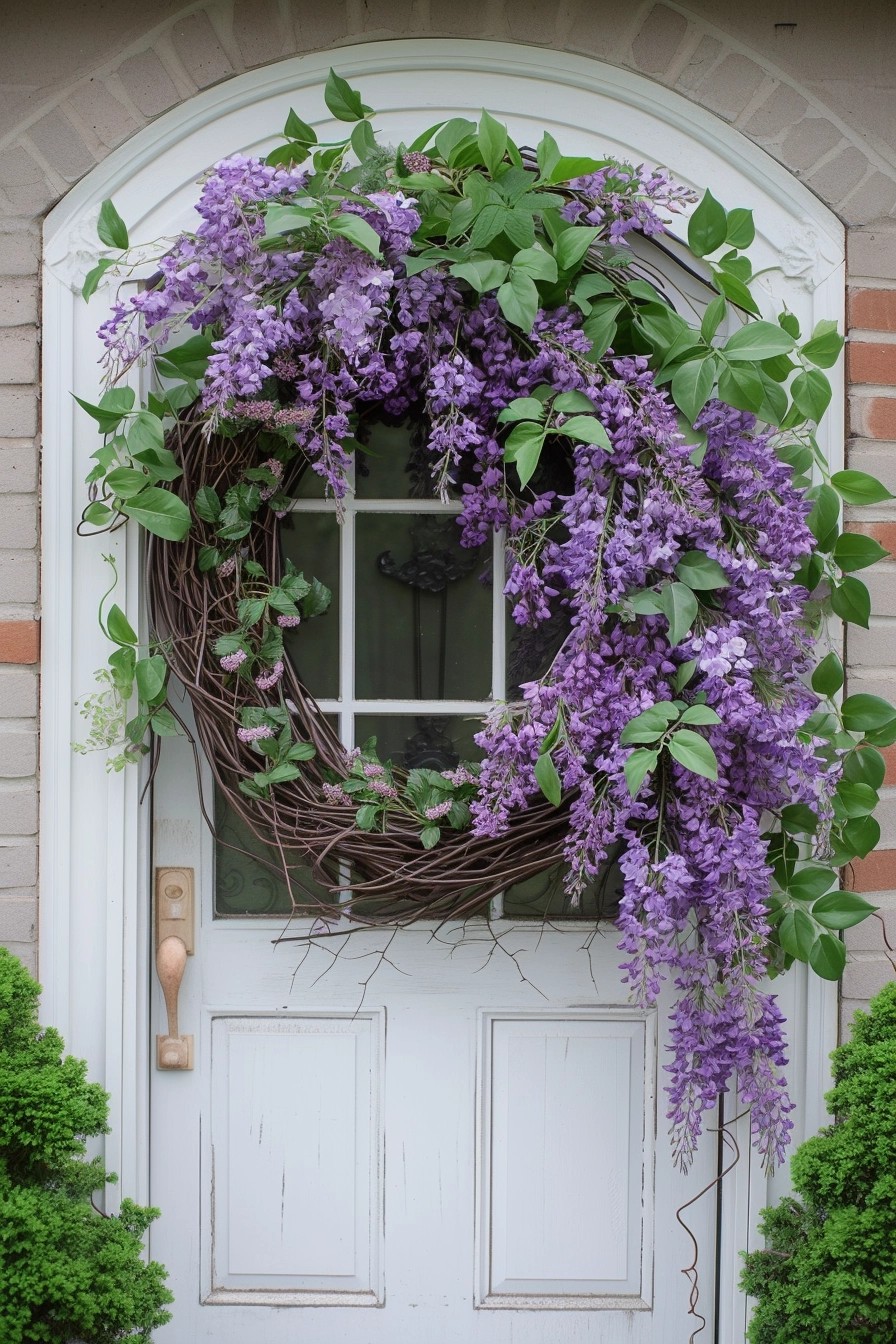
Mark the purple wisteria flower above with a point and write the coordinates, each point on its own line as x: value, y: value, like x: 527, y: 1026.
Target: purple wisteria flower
x: 303, y: 345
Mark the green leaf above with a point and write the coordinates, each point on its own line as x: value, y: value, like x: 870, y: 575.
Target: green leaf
x: 518, y: 301
x: 301, y: 751
x: 589, y: 285
x: 284, y: 155
x: 548, y: 780
x: 679, y: 606
x: 862, y: 834
x: 547, y: 155
x: 160, y: 512
x: 94, y: 276
x: 585, y: 429
x: 536, y: 262
x: 190, y: 358
x: 111, y: 227
x: 552, y: 736
x: 851, y: 601
x: 798, y: 819
x: 741, y: 386
x: 811, y: 393
x: 125, y: 482
x: 827, y: 957
x: 430, y: 836
x: 571, y: 246
x: 357, y: 231
x: 684, y: 674
x: 852, y: 551
x: 700, y: 715
x: 808, y: 882
x: 452, y: 134
x: 523, y: 449
x: 692, y: 385
x: 700, y: 572
x: 151, y: 675
x: 482, y: 275
x: 297, y: 129
x: 114, y: 406
x: 639, y: 764
x: 522, y: 408
x: 842, y: 910
x: 600, y: 326
x: 713, y: 317
x: 119, y: 627
x: 206, y: 504
x: 99, y: 515
x: 758, y: 340
x: 796, y: 934
x: 735, y: 290
x: 863, y: 713
x: 823, y: 349
x: 571, y: 403
x: 365, y: 817
x: 867, y: 766
x: 649, y: 725
x: 856, y: 799
x: 740, y: 231
x: 163, y: 723
x: 707, y: 226
x: 857, y: 487
x: 342, y: 100
x: 790, y: 323
x: 145, y: 432
x: 363, y: 140
x: 828, y: 675
x: 694, y: 753
x: 824, y: 519
x: 565, y: 169
x: 492, y: 138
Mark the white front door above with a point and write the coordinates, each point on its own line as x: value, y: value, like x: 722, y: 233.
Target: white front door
x: 437, y: 1134
x: 460, y: 1147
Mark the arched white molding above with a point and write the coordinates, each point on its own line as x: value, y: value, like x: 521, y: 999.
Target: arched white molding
x: 94, y: 936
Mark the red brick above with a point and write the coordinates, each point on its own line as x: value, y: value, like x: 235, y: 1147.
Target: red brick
x: 889, y: 755
x: 873, y: 417
x: 872, y: 309
x: 876, y: 873
x: 868, y: 363
x: 19, y: 641
x: 883, y: 533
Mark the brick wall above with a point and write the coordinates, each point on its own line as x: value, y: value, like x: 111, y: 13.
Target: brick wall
x: 75, y: 81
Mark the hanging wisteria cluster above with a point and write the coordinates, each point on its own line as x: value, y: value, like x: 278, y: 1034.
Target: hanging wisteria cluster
x: 660, y: 490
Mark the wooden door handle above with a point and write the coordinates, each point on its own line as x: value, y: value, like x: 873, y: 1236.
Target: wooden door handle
x: 172, y: 1051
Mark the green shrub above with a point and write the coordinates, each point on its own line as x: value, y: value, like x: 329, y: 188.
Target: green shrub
x: 66, y: 1271
x: 828, y: 1274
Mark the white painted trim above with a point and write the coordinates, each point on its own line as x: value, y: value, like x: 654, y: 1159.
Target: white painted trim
x: 94, y: 907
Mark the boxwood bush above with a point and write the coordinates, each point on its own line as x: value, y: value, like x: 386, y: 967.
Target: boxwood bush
x: 67, y: 1272
x: 828, y: 1273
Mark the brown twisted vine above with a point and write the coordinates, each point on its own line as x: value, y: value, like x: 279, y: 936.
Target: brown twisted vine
x: 389, y: 871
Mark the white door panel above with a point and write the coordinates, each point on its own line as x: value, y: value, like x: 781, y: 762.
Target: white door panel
x: 390, y: 1136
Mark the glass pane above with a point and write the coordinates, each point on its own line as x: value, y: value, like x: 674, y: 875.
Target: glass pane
x: 421, y: 741
x: 310, y: 485
x: 243, y: 886
x: 543, y: 897
x: 423, y: 619
x: 392, y: 463
x: 311, y: 542
x: 531, y: 649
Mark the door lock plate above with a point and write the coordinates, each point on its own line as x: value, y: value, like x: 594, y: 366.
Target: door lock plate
x: 174, y: 906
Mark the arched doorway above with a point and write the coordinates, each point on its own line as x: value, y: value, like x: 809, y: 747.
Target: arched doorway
x: 445, y: 1261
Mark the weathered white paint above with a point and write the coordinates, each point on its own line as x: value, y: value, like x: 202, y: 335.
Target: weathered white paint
x: 95, y: 845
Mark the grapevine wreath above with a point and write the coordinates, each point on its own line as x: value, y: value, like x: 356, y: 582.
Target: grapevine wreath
x: 664, y: 507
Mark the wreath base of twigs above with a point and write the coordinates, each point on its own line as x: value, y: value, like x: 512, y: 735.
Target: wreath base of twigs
x: 382, y: 875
